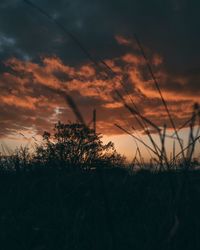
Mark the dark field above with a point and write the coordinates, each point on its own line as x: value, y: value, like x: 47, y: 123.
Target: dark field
x: 110, y: 209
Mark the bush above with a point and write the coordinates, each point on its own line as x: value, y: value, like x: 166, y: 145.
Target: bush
x: 74, y: 145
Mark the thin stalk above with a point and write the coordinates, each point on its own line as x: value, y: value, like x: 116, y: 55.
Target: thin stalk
x: 160, y: 93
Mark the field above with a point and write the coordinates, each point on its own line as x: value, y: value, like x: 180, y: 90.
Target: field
x: 104, y: 209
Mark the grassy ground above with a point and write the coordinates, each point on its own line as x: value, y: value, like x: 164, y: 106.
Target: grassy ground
x: 106, y: 210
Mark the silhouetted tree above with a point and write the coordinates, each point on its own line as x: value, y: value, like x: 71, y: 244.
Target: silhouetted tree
x: 76, y: 145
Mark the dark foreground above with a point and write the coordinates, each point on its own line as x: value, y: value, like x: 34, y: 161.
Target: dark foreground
x: 107, y: 210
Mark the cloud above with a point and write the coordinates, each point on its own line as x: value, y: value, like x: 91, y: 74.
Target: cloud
x: 32, y: 93
x: 169, y: 28
x: 123, y: 41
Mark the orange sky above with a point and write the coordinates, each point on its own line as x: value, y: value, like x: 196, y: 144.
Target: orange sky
x: 32, y: 95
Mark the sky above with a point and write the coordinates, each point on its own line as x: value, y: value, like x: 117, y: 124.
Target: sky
x: 39, y: 64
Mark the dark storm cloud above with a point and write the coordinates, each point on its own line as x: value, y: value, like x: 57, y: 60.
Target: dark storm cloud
x: 169, y: 27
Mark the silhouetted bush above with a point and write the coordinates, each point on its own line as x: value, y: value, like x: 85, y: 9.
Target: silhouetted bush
x: 76, y: 146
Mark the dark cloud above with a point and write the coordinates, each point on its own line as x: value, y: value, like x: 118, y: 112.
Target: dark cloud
x: 46, y: 59
x: 169, y: 27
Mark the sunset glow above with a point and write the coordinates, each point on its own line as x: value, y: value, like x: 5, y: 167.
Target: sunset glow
x: 32, y: 76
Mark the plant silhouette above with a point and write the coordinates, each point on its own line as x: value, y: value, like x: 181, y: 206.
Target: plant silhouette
x: 76, y: 146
